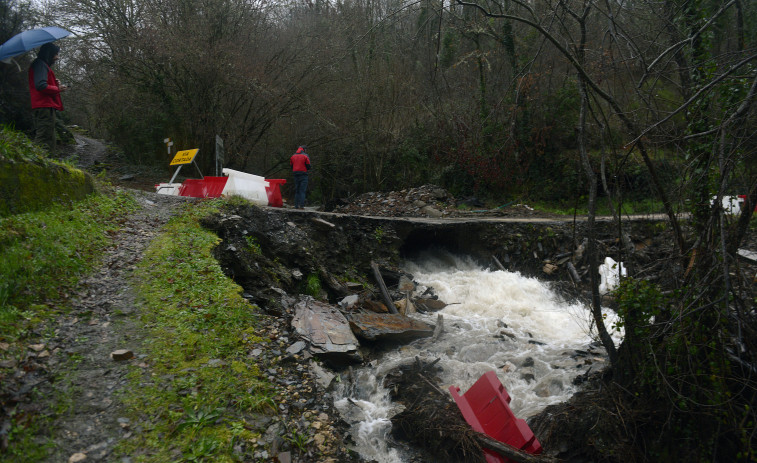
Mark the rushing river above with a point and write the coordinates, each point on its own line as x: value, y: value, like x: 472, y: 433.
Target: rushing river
x: 495, y: 320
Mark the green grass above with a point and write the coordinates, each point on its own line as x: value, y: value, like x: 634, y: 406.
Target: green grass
x: 42, y: 257
x: 44, y: 254
x: 569, y: 207
x: 313, y: 286
x: 201, y: 382
x: 15, y: 146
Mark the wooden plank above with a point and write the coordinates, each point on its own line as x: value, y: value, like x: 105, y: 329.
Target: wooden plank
x: 382, y: 286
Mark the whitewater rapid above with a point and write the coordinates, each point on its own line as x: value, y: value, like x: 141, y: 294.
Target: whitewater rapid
x: 535, y: 341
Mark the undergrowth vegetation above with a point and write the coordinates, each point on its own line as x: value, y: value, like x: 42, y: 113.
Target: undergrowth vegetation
x: 199, y: 329
x: 43, y: 255
x: 578, y: 207
x: 15, y: 146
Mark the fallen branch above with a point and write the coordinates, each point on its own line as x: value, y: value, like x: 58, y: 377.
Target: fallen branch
x: 432, y: 385
x: 573, y: 273
x: 439, y: 328
x: 382, y: 286
x: 499, y: 264
x: 510, y: 452
x: 323, y: 223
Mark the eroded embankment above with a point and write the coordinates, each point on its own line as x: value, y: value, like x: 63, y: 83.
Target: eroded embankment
x: 278, y: 254
x: 267, y: 250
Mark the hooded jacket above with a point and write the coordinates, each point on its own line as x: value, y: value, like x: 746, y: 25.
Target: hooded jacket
x: 300, y: 161
x: 43, y: 87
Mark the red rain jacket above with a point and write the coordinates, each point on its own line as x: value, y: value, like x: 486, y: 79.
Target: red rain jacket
x: 300, y: 161
x: 48, y: 97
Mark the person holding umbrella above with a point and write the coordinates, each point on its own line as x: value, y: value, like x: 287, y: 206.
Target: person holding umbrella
x: 45, y: 90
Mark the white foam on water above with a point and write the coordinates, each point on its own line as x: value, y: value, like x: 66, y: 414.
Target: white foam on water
x: 536, y: 342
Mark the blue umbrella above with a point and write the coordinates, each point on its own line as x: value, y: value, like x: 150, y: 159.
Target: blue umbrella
x: 28, y: 40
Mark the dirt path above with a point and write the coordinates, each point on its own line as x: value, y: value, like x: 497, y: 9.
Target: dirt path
x: 103, y: 320
x: 79, y: 364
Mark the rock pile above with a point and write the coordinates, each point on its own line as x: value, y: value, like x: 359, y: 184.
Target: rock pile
x: 304, y: 423
x: 424, y: 201
x: 427, y: 201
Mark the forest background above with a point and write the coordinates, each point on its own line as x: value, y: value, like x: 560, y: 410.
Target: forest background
x: 479, y: 98
x: 544, y: 100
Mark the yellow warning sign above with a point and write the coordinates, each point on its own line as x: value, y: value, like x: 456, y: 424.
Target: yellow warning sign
x: 184, y: 157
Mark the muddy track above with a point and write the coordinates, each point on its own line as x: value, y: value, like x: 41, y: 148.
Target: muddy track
x: 103, y: 319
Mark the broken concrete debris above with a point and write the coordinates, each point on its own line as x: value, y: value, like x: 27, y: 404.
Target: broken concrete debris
x: 326, y: 330
x: 388, y: 327
x: 424, y: 201
x: 331, y: 334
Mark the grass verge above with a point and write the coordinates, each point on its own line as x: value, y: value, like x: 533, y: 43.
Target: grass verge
x: 43, y: 255
x: 193, y: 400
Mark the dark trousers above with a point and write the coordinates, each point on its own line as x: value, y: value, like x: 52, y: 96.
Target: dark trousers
x: 44, y: 127
x: 300, y: 187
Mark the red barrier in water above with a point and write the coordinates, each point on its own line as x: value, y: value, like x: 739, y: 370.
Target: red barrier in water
x: 486, y: 407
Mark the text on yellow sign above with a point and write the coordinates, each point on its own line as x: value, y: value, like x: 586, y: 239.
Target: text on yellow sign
x: 184, y: 157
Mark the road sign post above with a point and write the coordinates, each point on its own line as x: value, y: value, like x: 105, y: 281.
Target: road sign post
x: 219, y: 154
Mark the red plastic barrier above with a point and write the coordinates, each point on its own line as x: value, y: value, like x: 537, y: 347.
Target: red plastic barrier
x: 486, y: 408
x: 208, y: 187
x: 273, y: 191
x: 743, y: 198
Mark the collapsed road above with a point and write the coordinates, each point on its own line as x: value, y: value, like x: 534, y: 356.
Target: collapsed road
x: 275, y: 255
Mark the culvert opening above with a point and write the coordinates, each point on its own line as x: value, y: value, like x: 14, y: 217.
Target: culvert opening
x: 454, y: 241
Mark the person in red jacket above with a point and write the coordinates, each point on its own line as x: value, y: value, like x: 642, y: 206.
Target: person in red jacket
x: 300, y: 162
x: 45, y: 91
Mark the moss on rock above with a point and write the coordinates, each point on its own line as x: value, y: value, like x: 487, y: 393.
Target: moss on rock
x: 30, y: 182
x: 28, y: 187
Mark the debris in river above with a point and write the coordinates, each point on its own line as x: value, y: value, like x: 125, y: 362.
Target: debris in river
x: 431, y: 419
x: 327, y: 330
x: 391, y: 327
x: 486, y: 407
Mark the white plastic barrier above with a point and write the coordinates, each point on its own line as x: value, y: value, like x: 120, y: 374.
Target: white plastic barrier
x: 248, y: 186
x: 610, y: 273
x: 731, y: 204
x: 171, y: 189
